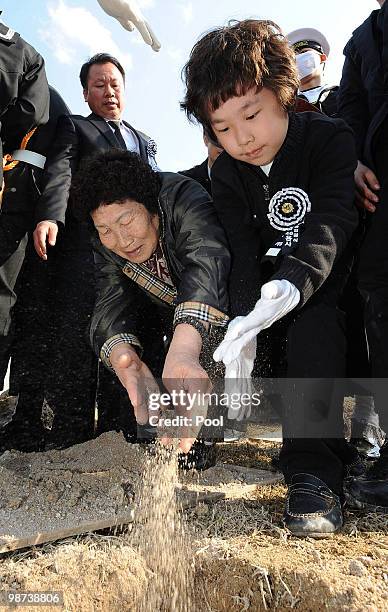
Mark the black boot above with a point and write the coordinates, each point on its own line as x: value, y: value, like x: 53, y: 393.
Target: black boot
x: 369, y: 492
x: 312, y: 509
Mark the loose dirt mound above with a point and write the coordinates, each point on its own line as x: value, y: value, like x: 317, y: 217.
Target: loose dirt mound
x: 47, y: 492
x: 242, y: 559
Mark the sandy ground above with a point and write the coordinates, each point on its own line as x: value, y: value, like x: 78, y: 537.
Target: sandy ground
x: 242, y: 558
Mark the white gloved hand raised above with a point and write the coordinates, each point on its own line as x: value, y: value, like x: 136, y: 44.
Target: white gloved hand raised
x: 129, y: 15
x: 278, y: 297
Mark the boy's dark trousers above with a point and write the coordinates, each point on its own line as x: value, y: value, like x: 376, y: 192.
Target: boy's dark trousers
x: 313, y: 393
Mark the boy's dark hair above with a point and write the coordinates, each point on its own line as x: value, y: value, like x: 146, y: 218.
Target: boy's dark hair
x: 230, y: 60
x: 113, y: 177
x: 99, y: 58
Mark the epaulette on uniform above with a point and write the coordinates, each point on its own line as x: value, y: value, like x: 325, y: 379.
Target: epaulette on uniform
x: 7, y: 35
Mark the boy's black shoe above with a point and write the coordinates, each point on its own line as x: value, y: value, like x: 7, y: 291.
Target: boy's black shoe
x: 370, y: 492
x: 312, y: 509
x: 202, y: 456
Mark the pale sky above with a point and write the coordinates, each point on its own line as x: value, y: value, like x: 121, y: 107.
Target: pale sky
x: 67, y: 32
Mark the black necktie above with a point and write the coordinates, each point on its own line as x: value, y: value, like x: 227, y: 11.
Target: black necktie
x: 118, y: 134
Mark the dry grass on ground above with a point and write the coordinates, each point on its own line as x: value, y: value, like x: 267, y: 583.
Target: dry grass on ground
x: 243, y: 559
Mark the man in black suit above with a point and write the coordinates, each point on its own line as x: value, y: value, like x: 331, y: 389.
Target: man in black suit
x: 102, y: 79
x: 73, y: 384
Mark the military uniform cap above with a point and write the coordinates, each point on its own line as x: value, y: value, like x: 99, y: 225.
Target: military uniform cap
x: 309, y: 38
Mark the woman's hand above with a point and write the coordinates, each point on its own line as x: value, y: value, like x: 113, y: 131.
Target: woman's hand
x: 184, y: 377
x: 136, y: 378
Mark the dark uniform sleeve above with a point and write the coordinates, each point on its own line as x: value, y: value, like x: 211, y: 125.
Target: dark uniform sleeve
x: 62, y: 161
x: 12, y: 229
x: 24, y: 104
x: 333, y: 217
x: 353, y: 99
x: 31, y: 107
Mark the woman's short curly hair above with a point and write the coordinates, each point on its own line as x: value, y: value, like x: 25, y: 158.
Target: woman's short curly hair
x: 113, y: 177
x: 231, y: 60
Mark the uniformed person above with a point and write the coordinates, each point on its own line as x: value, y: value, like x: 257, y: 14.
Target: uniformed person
x: 312, y: 50
x: 24, y: 106
x: 30, y: 339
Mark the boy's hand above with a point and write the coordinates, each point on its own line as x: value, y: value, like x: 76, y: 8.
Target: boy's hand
x: 136, y: 378
x: 278, y: 297
x: 366, y: 181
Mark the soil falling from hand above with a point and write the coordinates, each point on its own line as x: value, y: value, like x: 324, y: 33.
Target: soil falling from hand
x: 162, y: 538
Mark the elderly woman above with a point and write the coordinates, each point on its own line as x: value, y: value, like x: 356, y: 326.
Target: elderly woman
x: 161, y: 269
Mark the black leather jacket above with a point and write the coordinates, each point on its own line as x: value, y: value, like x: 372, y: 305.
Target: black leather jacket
x: 197, y: 257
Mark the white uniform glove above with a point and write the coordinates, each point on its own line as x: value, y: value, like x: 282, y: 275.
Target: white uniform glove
x: 277, y: 299
x: 238, y: 382
x: 238, y: 349
x: 129, y: 15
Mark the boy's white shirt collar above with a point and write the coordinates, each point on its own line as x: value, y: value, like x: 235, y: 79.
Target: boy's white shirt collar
x: 267, y: 168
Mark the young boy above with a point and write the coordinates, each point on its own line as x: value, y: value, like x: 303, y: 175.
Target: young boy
x: 283, y: 189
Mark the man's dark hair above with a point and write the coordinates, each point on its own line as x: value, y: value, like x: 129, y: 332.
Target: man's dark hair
x: 111, y: 178
x: 230, y: 60
x: 99, y: 58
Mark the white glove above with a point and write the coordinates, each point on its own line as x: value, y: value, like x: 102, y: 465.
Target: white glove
x: 238, y: 382
x: 238, y: 349
x: 277, y: 299
x: 129, y: 15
